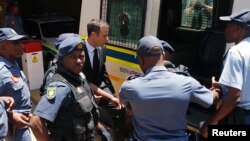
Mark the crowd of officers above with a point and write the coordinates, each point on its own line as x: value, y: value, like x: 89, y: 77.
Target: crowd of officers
x: 76, y: 89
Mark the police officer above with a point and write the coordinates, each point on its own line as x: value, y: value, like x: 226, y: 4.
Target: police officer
x: 67, y: 109
x: 159, y: 89
x: 6, y: 104
x: 169, y: 51
x: 13, y: 19
x: 235, y: 79
x: 14, y: 83
x: 97, y: 91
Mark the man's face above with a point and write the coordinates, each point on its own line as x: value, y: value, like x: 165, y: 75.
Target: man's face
x: 74, y: 62
x: 14, y: 48
x: 103, y: 37
x: 231, y: 32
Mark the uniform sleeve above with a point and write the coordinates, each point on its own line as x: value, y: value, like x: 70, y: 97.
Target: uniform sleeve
x: 127, y: 92
x: 232, y: 72
x: 200, y: 94
x: 4, y: 120
x: 48, y: 106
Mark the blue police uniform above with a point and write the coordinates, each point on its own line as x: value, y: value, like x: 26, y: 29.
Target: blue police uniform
x: 4, y: 121
x: 13, y: 83
x: 67, y: 102
x: 236, y: 74
x: 159, y: 102
x: 56, y: 107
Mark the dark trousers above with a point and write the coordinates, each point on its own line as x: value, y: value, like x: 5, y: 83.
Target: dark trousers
x: 237, y: 116
x: 112, y: 117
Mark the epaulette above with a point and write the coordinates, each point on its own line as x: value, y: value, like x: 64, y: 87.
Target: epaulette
x: 131, y: 77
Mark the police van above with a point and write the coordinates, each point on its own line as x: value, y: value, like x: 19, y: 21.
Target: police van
x: 46, y: 28
x: 192, y: 27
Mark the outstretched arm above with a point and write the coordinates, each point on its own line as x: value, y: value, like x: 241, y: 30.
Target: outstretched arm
x: 226, y: 107
x: 98, y: 91
x: 39, y: 128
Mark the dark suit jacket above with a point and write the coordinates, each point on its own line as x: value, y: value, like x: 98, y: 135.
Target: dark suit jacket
x: 101, y: 77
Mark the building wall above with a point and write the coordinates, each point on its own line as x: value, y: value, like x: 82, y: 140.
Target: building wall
x: 70, y: 8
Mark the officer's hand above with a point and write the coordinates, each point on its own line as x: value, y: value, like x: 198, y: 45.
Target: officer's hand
x: 116, y: 102
x: 18, y: 119
x: 97, y: 98
x: 204, y: 128
x: 8, y: 101
x: 215, y: 83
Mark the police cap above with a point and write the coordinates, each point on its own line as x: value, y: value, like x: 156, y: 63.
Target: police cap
x: 167, y: 47
x: 9, y: 34
x: 62, y: 37
x: 241, y: 17
x: 70, y: 44
x: 146, y: 45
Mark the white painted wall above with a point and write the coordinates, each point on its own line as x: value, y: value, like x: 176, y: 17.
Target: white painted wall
x: 90, y: 10
x: 241, y: 4
x: 152, y: 17
x: 237, y: 6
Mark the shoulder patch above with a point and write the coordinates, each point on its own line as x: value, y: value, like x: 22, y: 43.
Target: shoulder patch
x: 51, y: 93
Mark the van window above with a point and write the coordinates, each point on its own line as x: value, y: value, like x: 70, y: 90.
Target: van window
x: 197, y: 14
x: 126, y: 17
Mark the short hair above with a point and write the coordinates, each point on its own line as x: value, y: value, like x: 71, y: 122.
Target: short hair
x: 95, y: 26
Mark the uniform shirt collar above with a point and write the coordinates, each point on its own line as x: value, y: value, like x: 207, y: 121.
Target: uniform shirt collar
x: 155, y: 68
x: 89, y: 47
x: 6, y: 62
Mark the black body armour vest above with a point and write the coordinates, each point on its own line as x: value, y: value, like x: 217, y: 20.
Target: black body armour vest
x: 76, y: 120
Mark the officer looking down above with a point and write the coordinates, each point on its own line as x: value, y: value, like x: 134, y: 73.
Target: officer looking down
x: 159, y: 89
x: 67, y: 110
x: 169, y: 51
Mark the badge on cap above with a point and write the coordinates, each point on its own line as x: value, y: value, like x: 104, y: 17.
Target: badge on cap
x: 51, y: 92
x: 80, y: 46
x: 15, y: 78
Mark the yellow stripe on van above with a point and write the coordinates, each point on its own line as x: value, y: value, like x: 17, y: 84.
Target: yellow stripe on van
x: 119, y: 49
x: 125, y: 63
x: 50, y: 47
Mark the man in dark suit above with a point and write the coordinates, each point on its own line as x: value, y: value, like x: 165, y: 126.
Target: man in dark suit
x: 95, y: 70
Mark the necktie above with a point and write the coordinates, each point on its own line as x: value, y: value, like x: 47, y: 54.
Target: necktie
x: 95, y: 62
